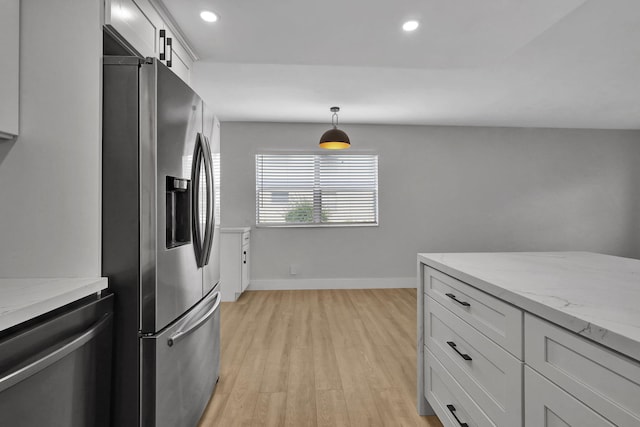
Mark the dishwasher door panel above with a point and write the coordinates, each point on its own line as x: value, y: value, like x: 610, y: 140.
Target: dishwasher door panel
x: 66, y: 383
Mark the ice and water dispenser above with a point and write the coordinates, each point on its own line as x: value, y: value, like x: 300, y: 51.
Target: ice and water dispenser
x: 178, y: 211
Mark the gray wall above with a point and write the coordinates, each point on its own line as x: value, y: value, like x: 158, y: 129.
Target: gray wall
x: 50, y: 176
x: 446, y: 189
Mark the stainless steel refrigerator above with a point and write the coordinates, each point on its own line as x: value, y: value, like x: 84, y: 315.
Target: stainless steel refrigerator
x: 160, y: 243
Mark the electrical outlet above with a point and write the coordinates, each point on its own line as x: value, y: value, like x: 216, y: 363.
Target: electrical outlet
x: 293, y: 269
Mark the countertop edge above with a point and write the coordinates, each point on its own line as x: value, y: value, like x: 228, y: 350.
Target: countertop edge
x: 84, y: 287
x: 619, y: 343
x: 234, y: 229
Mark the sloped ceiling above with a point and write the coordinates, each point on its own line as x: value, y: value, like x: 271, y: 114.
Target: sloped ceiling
x: 533, y: 63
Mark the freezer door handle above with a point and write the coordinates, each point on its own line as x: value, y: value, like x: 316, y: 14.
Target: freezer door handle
x: 191, y: 328
x: 52, y: 356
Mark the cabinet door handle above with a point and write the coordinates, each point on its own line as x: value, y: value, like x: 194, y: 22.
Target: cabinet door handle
x: 455, y: 348
x: 452, y: 296
x: 452, y: 409
x: 163, y: 43
x: 170, y: 44
x: 244, y: 257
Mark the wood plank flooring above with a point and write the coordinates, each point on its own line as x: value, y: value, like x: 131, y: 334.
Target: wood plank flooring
x: 318, y: 358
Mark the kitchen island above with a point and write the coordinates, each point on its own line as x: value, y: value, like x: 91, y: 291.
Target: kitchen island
x: 553, y: 337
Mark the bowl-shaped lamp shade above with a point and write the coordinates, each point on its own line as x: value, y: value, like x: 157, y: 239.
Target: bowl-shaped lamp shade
x: 334, y: 139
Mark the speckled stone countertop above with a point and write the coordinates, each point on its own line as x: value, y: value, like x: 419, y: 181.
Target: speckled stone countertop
x: 594, y: 295
x: 24, y: 299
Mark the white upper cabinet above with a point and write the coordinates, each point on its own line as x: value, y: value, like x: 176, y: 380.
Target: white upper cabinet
x: 9, y: 70
x: 140, y: 26
x: 176, y: 56
x: 136, y: 24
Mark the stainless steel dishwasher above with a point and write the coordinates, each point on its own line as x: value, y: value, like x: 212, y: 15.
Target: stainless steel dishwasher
x: 56, y: 370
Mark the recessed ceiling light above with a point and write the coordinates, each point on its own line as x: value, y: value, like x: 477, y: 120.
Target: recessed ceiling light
x: 410, y: 25
x: 208, y: 16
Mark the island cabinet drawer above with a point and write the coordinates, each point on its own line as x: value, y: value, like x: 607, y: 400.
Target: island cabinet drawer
x: 490, y: 375
x: 605, y: 381
x: 547, y: 405
x: 452, y: 405
x: 497, y: 319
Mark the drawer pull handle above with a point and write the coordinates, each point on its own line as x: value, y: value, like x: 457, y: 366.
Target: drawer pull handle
x: 453, y: 297
x: 452, y: 409
x: 455, y: 348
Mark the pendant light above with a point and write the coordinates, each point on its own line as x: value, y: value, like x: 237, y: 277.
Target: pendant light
x: 334, y: 139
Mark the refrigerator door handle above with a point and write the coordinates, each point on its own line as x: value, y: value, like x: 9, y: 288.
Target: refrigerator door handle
x: 198, y: 244
x: 208, y: 234
x: 182, y: 333
x: 54, y: 355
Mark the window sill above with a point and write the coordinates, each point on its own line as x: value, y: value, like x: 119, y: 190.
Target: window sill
x: 315, y: 225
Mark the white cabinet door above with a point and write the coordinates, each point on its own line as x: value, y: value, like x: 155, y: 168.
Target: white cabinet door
x: 547, y: 405
x: 245, y: 267
x: 234, y: 262
x: 603, y: 380
x: 139, y: 26
x: 177, y: 57
x: 136, y: 24
x: 9, y: 71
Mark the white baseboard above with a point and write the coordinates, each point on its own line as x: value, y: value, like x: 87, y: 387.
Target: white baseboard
x: 365, y: 283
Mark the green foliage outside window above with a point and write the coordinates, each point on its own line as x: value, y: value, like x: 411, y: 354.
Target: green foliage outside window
x: 302, y: 212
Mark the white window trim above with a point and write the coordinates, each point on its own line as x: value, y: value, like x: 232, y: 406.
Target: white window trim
x: 319, y: 225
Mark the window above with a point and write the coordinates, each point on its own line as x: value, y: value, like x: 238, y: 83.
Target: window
x: 316, y: 189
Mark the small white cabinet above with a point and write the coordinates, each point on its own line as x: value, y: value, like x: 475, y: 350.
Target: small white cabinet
x: 9, y: 71
x: 140, y: 26
x: 234, y: 261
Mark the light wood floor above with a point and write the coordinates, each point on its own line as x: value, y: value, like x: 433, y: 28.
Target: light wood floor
x: 318, y: 358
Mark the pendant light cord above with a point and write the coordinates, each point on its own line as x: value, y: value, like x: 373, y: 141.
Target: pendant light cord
x: 335, y: 125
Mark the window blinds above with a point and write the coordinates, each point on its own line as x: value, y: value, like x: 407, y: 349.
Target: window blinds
x: 316, y: 189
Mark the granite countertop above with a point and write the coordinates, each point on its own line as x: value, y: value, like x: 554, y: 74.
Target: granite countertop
x: 24, y: 299
x: 594, y: 295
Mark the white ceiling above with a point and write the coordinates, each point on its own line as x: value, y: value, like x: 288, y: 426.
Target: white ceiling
x: 532, y: 63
